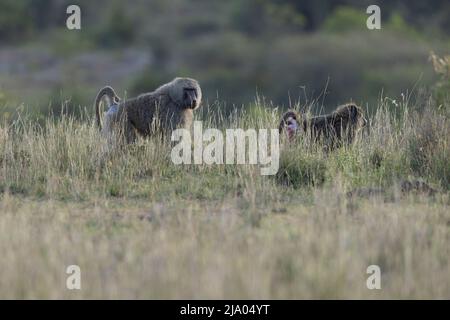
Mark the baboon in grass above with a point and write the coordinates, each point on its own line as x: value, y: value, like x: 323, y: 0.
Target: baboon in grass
x: 335, y: 128
x: 169, y: 107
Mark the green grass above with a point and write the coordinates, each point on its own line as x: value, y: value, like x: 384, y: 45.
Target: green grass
x: 141, y: 227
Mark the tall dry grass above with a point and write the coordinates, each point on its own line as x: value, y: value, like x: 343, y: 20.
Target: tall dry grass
x: 141, y: 227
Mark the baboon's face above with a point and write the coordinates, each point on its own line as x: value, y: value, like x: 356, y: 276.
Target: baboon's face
x: 357, y: 117
x: 186, y: 93
x: 291, y: 127
x: 190, y: 98
x: 289, y: 124
x: 361, y: 120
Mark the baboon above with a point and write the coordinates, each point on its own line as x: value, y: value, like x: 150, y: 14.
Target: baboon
x: 169, y: 107
x: 335, y: 128
x: 339, y: 126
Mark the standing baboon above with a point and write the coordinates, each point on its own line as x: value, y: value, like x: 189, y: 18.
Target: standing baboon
x: 339, y: 126
x: 169, y: 107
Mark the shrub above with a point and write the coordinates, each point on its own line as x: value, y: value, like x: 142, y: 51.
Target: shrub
x: 345, y: 19
x: 298, y: 169
x: 428, y: 147
x: 13, y: 25
x: 119, y: 28
x: 441, y: 66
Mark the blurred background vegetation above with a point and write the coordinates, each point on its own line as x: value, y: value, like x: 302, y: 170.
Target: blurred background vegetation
x: 285, y: 51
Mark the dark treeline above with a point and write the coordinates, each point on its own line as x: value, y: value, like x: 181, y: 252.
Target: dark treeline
x: 286, y: 50
x: 19, y: 19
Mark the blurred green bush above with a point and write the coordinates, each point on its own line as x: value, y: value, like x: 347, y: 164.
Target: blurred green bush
x: 288, y: 51
x: 13, y: 20
x: 345, y: 19
x: 118, y: 29
x: 441, y: 66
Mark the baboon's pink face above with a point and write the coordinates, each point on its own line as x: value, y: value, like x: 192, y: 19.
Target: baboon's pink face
x: 291, y: 127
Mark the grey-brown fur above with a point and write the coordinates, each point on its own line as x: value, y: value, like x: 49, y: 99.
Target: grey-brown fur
x: 169, y: 107
x: 339, y: 126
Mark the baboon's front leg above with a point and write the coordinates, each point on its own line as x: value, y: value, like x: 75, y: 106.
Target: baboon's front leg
x: 130, y: 133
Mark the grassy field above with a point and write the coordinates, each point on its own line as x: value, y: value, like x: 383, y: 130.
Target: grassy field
x: 140, y: 227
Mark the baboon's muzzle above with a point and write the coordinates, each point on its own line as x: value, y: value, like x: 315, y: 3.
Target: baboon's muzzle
x: 193, y: 104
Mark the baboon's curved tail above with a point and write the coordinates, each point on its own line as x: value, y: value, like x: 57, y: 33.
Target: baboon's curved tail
x: 113, y: 99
